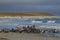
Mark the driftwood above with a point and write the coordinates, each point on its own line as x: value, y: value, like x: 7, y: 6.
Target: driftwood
x: 53, y: 31
x: 5, y: 30
x: 32, y: 29
x: 28, y: 29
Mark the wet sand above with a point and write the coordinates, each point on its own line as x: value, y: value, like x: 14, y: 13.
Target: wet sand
x: 25, y: 36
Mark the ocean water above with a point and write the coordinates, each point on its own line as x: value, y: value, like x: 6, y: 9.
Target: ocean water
x: 38, y: 22
x: 45, y: 23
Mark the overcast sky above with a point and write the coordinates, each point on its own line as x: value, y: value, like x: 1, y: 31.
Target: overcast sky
x: 51, y: 6
x: 5, y: 1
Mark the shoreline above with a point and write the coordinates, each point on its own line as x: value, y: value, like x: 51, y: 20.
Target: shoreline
x: 26, y: 36
x: 29, y: 16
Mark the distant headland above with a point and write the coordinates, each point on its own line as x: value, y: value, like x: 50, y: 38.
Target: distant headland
x: 24, y: 14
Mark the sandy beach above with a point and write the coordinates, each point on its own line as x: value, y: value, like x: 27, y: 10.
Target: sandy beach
x: 25, y: 36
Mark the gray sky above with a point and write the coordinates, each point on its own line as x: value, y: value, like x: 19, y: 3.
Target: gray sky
x: 50, y: 6
x: 28, y: 1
